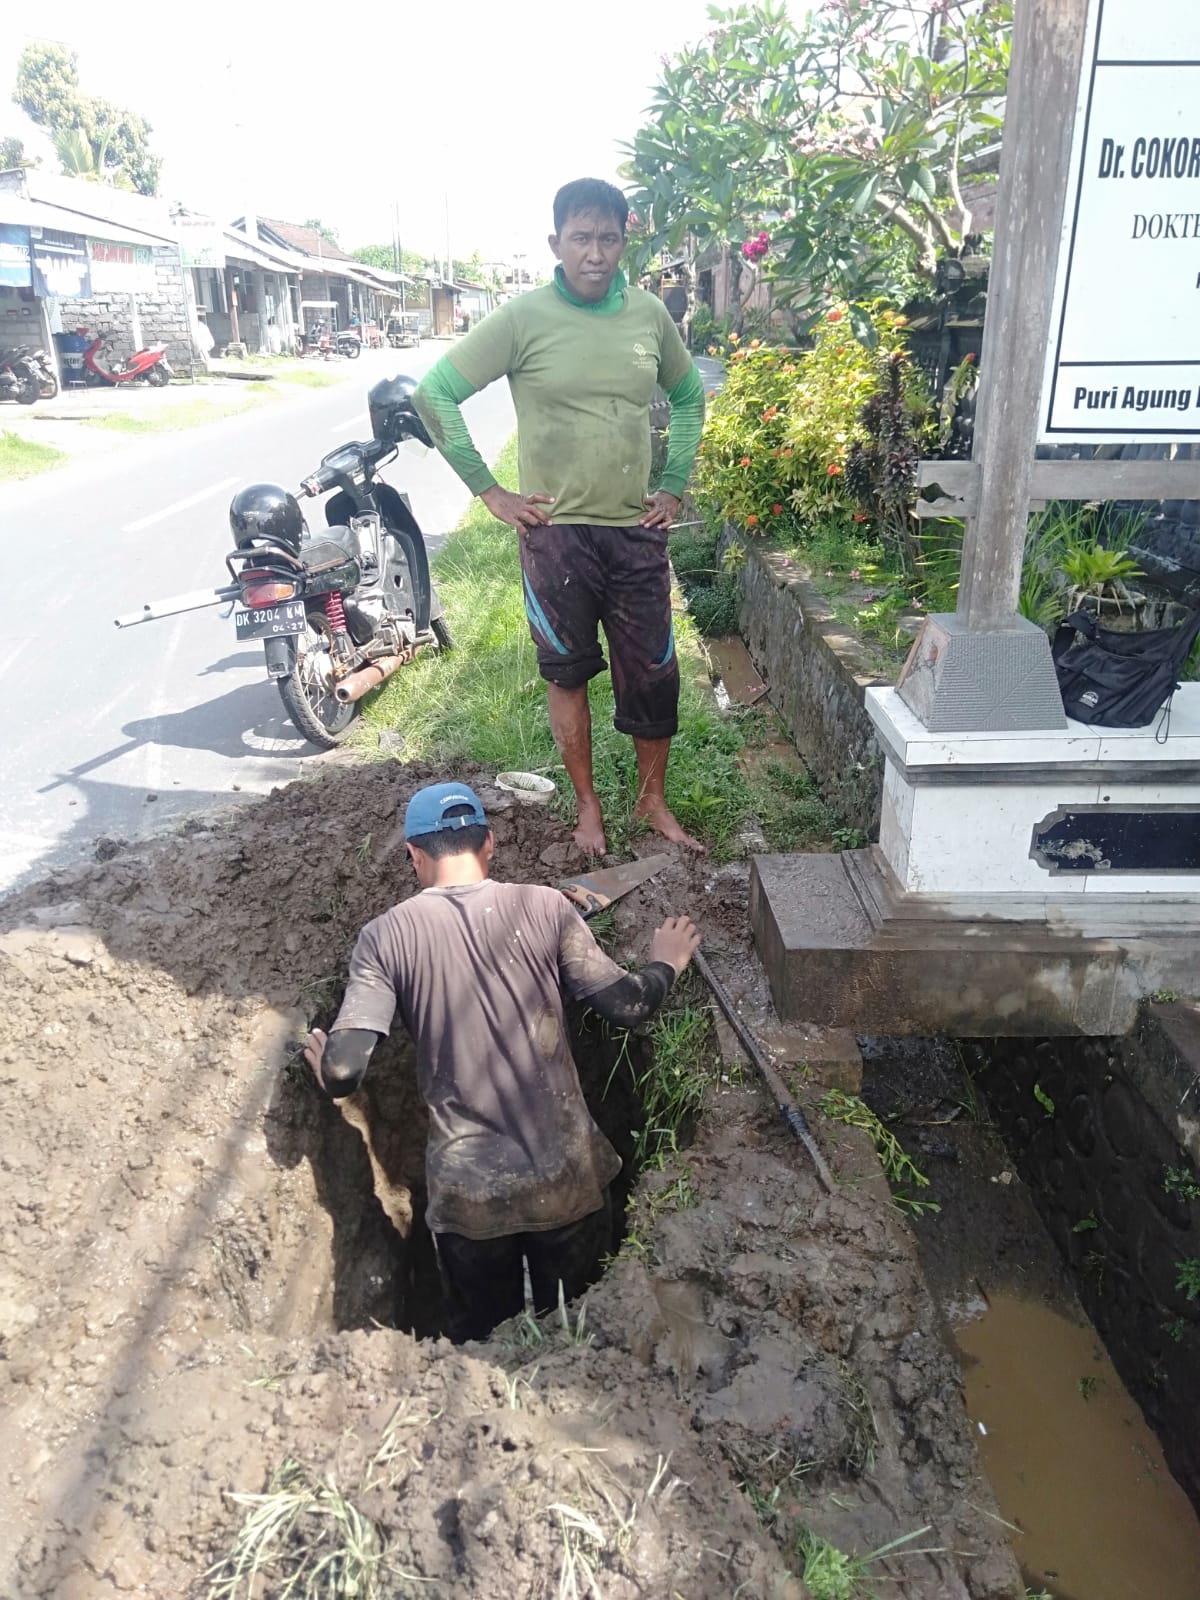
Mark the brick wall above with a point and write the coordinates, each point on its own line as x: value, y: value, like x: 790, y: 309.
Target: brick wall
x: 164, y: 311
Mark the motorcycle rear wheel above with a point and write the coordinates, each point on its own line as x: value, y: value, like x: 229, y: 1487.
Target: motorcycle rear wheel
x: 441, y: 632
x: 307, y: 693
x: 28, y: 390
x: 350, y: 348
x: 157, y: 376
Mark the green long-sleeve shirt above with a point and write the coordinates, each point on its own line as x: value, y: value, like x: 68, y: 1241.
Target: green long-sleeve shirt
x: 582, y: 380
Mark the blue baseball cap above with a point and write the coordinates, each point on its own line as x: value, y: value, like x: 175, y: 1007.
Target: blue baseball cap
x: 427, y: 809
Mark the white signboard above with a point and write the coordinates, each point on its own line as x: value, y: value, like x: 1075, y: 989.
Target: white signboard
x: 1124, y: 354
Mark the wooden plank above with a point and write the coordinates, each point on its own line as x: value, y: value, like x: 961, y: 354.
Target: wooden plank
x: 1034, y: 160
x: 1072, y: 480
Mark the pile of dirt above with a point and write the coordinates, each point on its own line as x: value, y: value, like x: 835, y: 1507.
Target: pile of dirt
x: 200, y: 1290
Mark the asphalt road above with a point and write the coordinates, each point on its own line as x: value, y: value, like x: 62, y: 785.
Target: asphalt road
x: 102, y: 719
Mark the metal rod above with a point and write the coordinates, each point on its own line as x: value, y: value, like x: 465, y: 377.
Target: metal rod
x: 794, y: 1119
x: 196, y: 600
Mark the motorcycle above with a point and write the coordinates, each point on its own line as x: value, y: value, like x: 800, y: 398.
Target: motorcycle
x: 318, y: 341
x: 338, y: 613
x: 26, y: 375
x: 150, y: 364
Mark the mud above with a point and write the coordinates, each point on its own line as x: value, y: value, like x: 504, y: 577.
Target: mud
x: 1077, y: 1471
x: 199, y: 1283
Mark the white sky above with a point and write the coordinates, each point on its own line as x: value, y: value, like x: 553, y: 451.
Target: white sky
x: 309, y: 110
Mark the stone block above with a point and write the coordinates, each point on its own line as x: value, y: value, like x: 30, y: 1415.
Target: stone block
x: 958, y: 679
x: 843, y: 948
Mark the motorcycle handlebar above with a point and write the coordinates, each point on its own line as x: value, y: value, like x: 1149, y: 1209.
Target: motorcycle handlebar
x: 355, y: 457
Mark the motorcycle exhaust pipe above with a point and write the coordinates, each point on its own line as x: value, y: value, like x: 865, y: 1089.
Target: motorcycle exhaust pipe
x: 356, y: 684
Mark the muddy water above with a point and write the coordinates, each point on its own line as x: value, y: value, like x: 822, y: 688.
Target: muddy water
x: 1072, y: 1463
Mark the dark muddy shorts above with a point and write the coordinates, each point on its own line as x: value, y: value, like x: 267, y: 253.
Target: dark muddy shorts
x: 578, y: 576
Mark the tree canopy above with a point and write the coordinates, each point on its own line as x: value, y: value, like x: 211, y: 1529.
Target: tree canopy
x: 47, y: 90
x: 839, y: 139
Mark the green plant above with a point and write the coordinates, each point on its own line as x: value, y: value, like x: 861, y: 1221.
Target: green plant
x: 1086, y: 1224
x: 881, y: 467
x: 21, y: 458
x: 1164, y: 997
x: 775, y: 447
x: 1175, y: 1328
x: 832, y: 1574
x: 671, y: 1088
x: 898, y: 1167
x: 1187, y: 1277
x: 1181, y: 1182
x: 848, y: 838
x: 1043, y: 1099
x: 714, y: 609
x: 1087, y: 1385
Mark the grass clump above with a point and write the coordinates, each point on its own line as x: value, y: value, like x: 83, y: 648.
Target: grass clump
x: 899, y: 1167
x: 175, y: 418
x: 486, y: 702
x: 22, y: 458
x: 832, y: 1574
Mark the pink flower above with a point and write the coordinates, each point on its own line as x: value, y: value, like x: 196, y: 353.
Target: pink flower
x: 855, y: 573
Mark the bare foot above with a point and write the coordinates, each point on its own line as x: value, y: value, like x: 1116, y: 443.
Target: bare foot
x: 589, y: 834
x: 656, y: 814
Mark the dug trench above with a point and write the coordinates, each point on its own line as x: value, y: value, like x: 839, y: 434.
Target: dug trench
x: 219, y: 1348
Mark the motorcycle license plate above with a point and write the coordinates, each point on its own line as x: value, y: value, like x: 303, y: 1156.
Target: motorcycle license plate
x: 269, y: 621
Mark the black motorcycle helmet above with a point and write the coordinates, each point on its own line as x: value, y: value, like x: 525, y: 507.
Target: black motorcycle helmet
x: 266, y: 511
x: 390, y: 406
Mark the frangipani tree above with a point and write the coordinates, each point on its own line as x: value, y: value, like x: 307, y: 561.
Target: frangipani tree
x: 841, y: 136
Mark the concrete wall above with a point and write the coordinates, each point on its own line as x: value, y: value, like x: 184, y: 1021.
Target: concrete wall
x: 164, y: 312
x: 818, y: 679
x: 1125, y: 1113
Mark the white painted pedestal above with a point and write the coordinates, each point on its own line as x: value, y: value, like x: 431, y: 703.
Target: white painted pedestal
x: 960, y: 810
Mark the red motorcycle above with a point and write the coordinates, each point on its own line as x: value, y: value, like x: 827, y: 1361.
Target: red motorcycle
x: 150, y: 364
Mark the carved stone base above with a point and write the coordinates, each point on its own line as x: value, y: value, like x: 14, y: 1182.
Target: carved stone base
x: 965, y: 680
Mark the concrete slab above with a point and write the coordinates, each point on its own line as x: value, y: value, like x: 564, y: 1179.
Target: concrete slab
x: 844, y: 947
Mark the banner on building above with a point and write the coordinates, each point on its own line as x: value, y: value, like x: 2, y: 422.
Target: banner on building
x: 201, y: 241
x: 120, y: 268
x: 60, y: 265
x: 15, y: 269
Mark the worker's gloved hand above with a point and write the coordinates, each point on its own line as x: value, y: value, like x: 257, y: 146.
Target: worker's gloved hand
x: 314, y: 1051
x: 675, y: 942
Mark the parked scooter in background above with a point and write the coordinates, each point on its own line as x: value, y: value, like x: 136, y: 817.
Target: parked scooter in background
x: 150, y: 364
x: 26, y: 375
x: 319, y: 341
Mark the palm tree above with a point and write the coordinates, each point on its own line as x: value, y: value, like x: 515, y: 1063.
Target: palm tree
x: 80, y: 158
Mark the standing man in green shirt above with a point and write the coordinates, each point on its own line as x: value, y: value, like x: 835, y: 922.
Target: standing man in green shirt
x: 582, y: 357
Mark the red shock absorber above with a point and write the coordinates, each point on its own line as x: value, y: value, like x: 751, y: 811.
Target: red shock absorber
x: 335, y: 611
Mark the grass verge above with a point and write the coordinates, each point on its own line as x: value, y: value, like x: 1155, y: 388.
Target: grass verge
x: 21, y: 458
x: 485, y: 702
x: 174, y: 418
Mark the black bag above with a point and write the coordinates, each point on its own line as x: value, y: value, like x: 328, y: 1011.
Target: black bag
x: 1119, y: 680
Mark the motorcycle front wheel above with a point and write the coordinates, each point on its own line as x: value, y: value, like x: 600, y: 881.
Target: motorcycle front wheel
x: 307, y: 692
x: 350, y: 348
x: 157, y: 376
x: 28, y: 389
x: 47, y: 387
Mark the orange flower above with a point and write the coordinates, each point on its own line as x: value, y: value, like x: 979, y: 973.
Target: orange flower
x: 734, y: 339
x: 899, y: 322
x: 771, y: 411
x: 775, y: 452
x: 752, y: 521
x: 835, y: 315
x: 776, y: 509
x: 745, y: 461
x: 712, y: 349
x: 861, y: 516
x: 786, y: 371
x: 738, y: 355
x: 787, y: 452
x: 755, y: 344
x: 832, y: 470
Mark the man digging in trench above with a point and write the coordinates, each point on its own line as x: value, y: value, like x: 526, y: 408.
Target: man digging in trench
x: 516, y: 1169
x: 582, y: 356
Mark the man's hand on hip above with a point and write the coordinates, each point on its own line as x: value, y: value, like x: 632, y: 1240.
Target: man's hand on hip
x: 661, y: 510
x: 676, y: 942
x: 520, y: 511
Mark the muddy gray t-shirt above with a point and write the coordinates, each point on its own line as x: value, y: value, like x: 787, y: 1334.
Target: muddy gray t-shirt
x: 476, y: 973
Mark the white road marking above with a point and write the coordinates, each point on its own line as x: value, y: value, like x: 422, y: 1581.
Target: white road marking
x: 180, y: 505
x: 351, y: 422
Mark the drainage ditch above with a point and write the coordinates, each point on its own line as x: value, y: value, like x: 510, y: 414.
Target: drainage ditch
x: 1053, y: 1261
